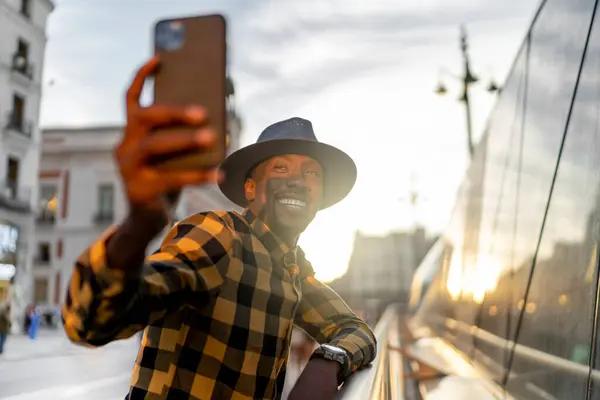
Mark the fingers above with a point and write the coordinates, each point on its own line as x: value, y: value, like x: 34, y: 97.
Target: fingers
x: 151, y: 185
x: 170, y: 181
x: 137, y: 85
x: 160, y: 144
x: 157, y: 115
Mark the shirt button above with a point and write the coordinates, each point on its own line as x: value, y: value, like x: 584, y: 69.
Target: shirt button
x: 289, y: 259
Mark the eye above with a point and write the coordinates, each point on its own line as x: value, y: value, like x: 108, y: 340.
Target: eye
x: 280, y: 168
x: 313, y: 173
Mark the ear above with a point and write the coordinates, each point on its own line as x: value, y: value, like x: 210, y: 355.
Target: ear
x: 250, y: 190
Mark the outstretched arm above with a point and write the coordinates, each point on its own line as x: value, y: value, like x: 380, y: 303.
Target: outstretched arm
x: 107, y: 300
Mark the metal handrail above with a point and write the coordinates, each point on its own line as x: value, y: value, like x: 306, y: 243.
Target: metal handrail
x: 527, y: 353
x: 383, y: 379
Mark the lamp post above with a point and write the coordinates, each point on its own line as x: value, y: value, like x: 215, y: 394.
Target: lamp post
x: 467, y: 80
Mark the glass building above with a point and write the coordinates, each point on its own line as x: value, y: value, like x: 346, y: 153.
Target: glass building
x: 513, y: 282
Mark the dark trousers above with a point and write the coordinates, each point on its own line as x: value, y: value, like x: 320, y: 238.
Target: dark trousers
x: 3, y: 337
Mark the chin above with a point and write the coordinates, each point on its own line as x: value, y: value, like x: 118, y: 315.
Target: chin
x: 296, y: 224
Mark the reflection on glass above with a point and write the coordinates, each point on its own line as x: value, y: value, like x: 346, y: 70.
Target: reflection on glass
x: 553, y: 340
x: 534, y: 322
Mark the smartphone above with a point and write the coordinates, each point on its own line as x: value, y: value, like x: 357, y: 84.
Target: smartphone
x: 193, y: 71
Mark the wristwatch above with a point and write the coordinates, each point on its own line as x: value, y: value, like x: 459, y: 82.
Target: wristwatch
x: 337, y: 354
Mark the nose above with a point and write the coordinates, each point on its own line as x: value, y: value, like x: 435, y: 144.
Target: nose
x: 298, y: 181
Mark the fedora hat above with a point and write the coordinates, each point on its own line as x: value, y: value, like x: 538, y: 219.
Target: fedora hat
x: 291, y: 136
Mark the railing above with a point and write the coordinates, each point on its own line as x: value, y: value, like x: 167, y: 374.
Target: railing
x: 15, y: 197
x: 46, y: 217
x: 104, y: 217
x: 535, y: 356
x: 40, y: 261
x: 20, y: 125
x: 384, y: 379
x: 21, y: 65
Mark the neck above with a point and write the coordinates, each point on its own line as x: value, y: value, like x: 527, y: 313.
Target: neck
x: 289, y: 236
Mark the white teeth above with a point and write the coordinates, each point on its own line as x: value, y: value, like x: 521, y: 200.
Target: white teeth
x: 293, y: 203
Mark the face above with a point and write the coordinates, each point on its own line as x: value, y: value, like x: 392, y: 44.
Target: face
x: 284, y: 192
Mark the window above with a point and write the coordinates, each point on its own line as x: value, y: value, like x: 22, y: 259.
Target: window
x: 554, y: 266
x: 12, y: 176
x: 26, y: 8
x: 23, y: 49
x: 20, y: 60
x: 106, y: 197
x: 48, y: 201
x: 41, y: 290
x: 43, y: 256
x: 18, y: 112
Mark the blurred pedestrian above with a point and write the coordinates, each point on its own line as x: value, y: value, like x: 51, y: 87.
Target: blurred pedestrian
x: 29, y: 311
x: 5, y: 325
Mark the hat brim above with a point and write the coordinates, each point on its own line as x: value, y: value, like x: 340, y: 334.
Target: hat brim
x: 339, y: 170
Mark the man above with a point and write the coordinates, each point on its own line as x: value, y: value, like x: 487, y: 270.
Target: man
x: 219, y: 299
x: 5, y: 325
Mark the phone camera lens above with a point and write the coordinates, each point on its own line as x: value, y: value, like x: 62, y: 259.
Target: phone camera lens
x: 169, y: 35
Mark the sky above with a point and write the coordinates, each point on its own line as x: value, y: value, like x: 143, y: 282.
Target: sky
x: 363, y: 72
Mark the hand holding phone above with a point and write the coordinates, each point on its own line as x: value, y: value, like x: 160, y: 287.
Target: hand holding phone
x: 146, y: 186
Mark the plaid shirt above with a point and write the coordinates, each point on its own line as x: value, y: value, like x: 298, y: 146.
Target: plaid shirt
x: 218, y: 302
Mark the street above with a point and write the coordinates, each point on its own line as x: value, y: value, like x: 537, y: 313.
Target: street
x: 50, y: 367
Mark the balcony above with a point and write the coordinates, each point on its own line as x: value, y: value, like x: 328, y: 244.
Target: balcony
x: 14, y: 197
x: 18, y: 125
x: 41, y: 261
x: 46, y: 217
x: 104, y: 217
x: 21, y: 66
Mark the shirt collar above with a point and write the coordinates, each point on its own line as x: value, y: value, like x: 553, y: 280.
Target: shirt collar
x: 276, y: 247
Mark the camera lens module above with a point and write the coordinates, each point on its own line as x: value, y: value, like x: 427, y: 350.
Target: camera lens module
x: 169, y: 35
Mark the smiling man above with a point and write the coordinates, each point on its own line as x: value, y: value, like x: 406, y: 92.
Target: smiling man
x: 219, y: 299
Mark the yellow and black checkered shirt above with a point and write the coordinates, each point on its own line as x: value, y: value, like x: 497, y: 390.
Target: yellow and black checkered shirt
x: 218, y: 302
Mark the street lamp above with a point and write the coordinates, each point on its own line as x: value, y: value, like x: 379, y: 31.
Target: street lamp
x: 467, y: 80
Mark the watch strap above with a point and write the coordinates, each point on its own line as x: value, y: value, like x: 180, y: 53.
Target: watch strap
x: 337, y: 354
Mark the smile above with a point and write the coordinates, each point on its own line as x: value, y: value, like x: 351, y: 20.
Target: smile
x: 293, y: 203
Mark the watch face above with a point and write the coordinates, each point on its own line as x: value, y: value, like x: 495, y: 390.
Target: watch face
x: 334, y: 353
x: 331, y: 348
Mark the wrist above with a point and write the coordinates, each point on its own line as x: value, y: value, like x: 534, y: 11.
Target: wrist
x: 126, y: 248
x: 335, y: 355
x: 145, y: 223
x: 329, y: 365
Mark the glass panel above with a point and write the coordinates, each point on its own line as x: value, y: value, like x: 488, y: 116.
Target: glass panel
x: 557, y: 41
x: 551, y: 359
x: 466, y: 250
x: 436, y: 310
x: 18, y: 111
x: 47, y: 192
x: 105, y: 198
x: 498, y: 223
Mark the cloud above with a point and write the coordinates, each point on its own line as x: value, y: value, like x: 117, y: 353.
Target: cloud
x: 363, y: 72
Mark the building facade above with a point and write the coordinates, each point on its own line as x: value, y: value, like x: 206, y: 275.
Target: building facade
x: 22, y: 51
x: 381, y: 269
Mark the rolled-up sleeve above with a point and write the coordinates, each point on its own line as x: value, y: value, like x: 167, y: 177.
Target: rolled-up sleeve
x: 104, y: 304
x: 327, y: 318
